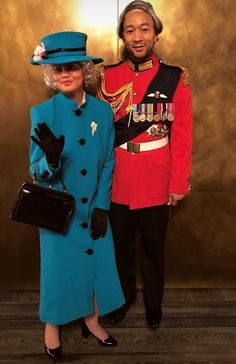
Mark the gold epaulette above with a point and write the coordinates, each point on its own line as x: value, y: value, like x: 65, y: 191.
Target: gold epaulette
x: 186, y: 76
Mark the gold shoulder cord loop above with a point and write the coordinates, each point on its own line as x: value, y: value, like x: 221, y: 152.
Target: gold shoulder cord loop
x: 123, y: 92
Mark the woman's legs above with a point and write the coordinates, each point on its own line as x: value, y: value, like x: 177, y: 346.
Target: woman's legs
x: 93, y: 325
x: 51, y: 336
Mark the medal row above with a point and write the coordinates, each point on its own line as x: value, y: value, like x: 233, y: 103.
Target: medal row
x: 153, y: 112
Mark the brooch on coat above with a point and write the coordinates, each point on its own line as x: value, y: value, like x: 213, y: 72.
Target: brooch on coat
x: 94, y: 127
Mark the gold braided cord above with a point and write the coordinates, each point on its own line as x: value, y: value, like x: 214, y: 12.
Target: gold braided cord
x: 186, y: 78
x: 100, y: 94
x: 124, y: 91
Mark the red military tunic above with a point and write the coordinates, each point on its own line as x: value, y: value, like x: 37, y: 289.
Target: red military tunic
x: 144, y: 179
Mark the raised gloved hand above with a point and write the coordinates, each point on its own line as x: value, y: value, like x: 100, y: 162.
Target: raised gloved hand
x: 98, y: 225
x: 47, y: 141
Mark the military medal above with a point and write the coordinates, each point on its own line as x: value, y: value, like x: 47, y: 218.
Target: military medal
x: 154, y: 131
x: 142, y: 117
x: 170, y: 111
x: 135, y: 113
x: 136, y: 117
x: 163, y: 112
x: 149, y: 117
x: 163, y: 131
x: 157, y: 116
x: 149, y: 112
x: 170, y: 116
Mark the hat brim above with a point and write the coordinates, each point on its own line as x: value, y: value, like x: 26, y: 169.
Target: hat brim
x: 66, y: 59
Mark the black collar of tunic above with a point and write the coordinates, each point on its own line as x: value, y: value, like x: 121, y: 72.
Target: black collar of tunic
x: 139, y: 67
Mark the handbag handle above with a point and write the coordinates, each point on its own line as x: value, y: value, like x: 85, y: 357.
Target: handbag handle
x: 49, y: 186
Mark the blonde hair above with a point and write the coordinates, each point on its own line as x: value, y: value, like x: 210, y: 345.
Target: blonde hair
x: 88, y: 68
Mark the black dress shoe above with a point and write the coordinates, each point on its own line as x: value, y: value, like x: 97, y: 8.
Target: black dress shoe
x: 110, y: 341
x: 118, y: 315
x: 154, y: 317
x: 54, y: 354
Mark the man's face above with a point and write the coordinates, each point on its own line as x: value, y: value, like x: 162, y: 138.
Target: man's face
x: 139, y: 36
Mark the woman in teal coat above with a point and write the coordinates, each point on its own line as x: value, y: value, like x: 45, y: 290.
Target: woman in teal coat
x: 72, y: 136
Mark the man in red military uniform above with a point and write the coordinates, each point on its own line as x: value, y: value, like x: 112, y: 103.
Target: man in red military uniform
x: 153, y: 122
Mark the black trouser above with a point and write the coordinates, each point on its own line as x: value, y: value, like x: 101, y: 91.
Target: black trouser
x: 151, y: 223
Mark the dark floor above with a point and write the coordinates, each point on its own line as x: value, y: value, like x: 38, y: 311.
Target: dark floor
x: 199, y: 326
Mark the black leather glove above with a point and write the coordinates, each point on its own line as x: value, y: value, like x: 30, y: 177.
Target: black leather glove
x: 98, y: 223
x: 47, y: 141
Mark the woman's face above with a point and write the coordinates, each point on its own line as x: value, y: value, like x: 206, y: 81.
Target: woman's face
x: 68, y: 78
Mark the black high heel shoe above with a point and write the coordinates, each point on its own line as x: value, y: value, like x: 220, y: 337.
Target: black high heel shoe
x: 110, y: 341
x: 54, y: 354
x: 84, y: 329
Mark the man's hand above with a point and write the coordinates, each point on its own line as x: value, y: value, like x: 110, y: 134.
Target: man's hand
x: 98, y: 225
x: 47, y: 141
x: 174, y: 198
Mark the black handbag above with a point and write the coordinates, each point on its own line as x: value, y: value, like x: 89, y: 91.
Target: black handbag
x: 43, y: 206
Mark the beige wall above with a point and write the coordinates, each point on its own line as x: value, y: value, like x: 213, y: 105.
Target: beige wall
x: 200, y: 34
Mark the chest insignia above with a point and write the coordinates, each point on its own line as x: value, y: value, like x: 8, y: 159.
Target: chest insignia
x: 157, y: 95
